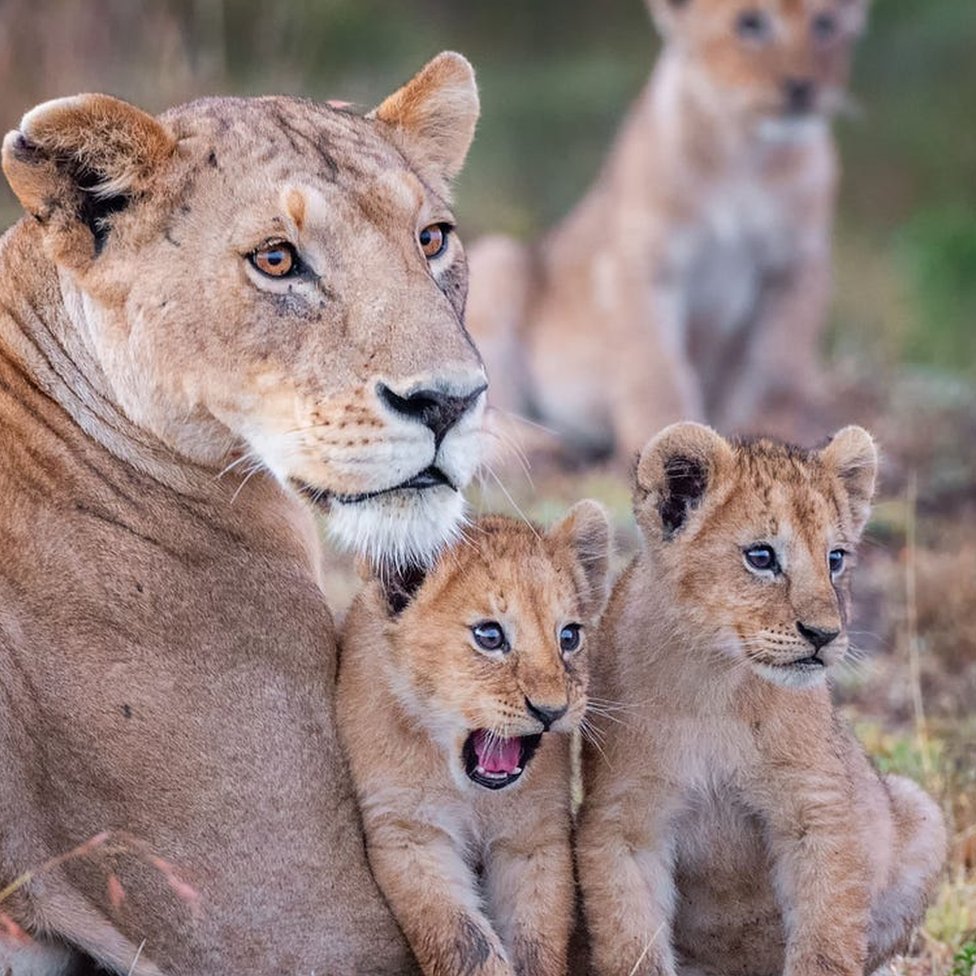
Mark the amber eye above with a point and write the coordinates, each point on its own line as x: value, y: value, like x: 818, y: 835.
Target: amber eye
x: 433, y: 240
x: 277, y: 260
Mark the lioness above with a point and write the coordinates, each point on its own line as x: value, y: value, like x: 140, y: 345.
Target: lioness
x: 445, y: 707
x: 693, y: 279
x: 731, y: 823
x: 212, y: 321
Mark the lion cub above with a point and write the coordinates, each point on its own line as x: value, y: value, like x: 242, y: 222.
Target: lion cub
x: 731, y: 822
x: 693, y: 279
x: 445, y: 707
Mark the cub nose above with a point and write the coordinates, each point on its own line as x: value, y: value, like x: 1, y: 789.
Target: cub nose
x: 816, y: 635
x: 546, y: 714
x: 799, y: 95
x: 435, y: 409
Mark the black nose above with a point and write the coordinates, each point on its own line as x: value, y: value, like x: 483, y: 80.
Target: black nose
x: 799, y: 94
x: 434, y: 409
x: 547, y: 716
x: 816, y: 635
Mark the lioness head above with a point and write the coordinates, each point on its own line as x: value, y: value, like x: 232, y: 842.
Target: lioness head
x: 492, y: 646
x: 754, y: 541
x: 280, y: 281
x: 772, y: 60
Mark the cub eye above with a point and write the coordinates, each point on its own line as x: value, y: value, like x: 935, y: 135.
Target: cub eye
x: 489, y: 636
x: 753, y: 25
x: 762, y: 558
x: 824, y: 26
x: 569, y: 638
x: 433, y: 240
x: 276, y: 260
x: 836, y: 561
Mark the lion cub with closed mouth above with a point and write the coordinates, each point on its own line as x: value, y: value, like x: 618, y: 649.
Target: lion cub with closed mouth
x: 731, y: 822
x: 450, y: 701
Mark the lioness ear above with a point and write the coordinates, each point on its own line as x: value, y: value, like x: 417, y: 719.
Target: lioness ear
x: 75, y: 161
x: 853, y: 456
x: 434, y: 114
x: 586, y: 529
x: 675, y: 470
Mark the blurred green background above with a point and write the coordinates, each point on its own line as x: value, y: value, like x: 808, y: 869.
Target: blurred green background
x: 555, y: 79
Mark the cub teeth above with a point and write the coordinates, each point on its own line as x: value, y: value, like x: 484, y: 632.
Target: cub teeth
x: 481, y: 771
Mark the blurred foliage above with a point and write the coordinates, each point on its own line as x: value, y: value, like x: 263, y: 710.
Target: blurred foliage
x: 556, y: 79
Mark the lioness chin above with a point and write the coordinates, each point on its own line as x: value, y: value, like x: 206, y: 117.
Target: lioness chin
x: 209, y: 320
x: 731, y: 822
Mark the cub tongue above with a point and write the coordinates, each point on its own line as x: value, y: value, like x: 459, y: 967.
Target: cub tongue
x: 497, y: 755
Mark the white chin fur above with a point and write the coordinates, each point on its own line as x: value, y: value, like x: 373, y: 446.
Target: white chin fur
x: 791, y: 677
x: 401, y: 528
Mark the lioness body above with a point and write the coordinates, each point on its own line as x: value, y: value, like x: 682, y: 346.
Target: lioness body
x: 166, y: 653
x: 693, y: 278
x: 415, y: 699
x: 731, y: 823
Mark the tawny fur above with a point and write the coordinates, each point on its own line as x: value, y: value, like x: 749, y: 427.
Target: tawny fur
x: 693, y: 279
x: 481, y: 881
x: 731, y: 822
x: 166, y: 655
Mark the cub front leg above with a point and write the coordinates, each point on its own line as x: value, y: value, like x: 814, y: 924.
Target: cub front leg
x: 820, y: 872
x: 532, y: 896
x: 433, y: 895
x: 625, y: 858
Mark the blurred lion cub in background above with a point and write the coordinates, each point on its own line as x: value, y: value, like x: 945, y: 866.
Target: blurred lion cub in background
x: 731, y: 822
x: 446, y: 697
x: 693, y: 279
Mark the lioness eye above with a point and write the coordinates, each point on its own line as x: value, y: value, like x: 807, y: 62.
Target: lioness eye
x: 433, y: 240
x: 752, y: 24
x: 276, y: 260
x: 489, y: 636
x: 824, y: 26
x: 569, y: 638
x: 762, y: 558
x: 836, y: 561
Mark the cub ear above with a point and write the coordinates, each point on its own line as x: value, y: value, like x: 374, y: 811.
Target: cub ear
x: 78, y: 160
x: 666, y: 13
x: 586, y: 530
x: 674, y: 471
x: 853, y: 456
x: 434, y: 114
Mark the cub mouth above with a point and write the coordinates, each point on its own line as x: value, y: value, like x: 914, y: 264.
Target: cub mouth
x: 430, y: 477
x: 495, y: 763
x: 808, y: 665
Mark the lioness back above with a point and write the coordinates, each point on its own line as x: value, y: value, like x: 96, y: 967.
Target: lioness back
x: 451, y: 699
x: 731, y: 822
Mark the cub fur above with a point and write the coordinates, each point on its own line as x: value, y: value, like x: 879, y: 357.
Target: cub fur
x: 445, y: 709
x: 693, y: 279
x: 731, y: 822
x: 208, y: 321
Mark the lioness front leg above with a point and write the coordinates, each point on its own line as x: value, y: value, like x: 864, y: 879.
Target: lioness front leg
x: 627, y: 880
x: 531, y: 892
x: 433, y: 896
x: 820, y: 872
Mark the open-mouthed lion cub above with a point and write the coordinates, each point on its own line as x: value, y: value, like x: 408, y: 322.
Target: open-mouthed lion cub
x: 444, y: 708
x: 732, y: 823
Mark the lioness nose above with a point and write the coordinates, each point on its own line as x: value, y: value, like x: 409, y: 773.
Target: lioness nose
x: 435, y: 409
x: 799, y: 94
x: 817, y: 636
x: 545, y: 714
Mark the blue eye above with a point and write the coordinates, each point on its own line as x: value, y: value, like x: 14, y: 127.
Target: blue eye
x: 489, y: 636
x: 569, y: 638
x: 824, y: 26
x: 836, y: 561
x: 762, y: 558
x: 753, y: 25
